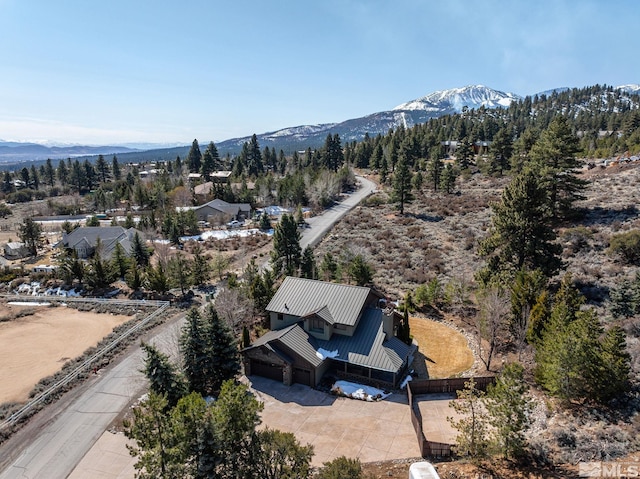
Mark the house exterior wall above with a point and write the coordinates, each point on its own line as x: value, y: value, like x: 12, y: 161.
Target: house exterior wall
x: 325, y: 335
x: 287, y: 320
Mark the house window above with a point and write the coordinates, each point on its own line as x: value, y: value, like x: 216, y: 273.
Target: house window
x: 316, y: 324
x: 280, y: 317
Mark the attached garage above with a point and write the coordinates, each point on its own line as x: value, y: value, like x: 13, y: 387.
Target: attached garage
x: 302, y: 376
x: 266, y: 369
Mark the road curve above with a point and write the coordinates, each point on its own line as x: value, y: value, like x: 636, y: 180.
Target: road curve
x: 59, y: 436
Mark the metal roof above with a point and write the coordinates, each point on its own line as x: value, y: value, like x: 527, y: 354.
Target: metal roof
x: 294, y: 338
x: 369, y: 345
x: 302, y: 297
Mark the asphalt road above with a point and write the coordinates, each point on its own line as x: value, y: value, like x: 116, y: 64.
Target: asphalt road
x: 59, y: 436
x: 321, y: 224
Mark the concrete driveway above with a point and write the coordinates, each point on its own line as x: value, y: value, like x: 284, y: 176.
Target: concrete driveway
x: 337, y: 426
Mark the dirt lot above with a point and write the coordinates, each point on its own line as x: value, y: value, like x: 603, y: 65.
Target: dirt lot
x: 38, y: 342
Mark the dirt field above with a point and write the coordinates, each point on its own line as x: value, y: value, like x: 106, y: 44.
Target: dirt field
x: 36, y: 345
x: 444, y: 350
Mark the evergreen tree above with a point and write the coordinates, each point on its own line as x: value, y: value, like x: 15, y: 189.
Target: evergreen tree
x: 30, y: 233
x: 281, y: 456
x: 154, y: 446
x: 7, y: 183
x: 133, y: 277
x: 63, y: 173
x: 209, y: 352
x: 341, y: 468
x: 49, y: 173
x: 308, y: 267
x: 201, y: 270
x: 115, y: 168
x: 103, y: 168
x: 179, y: 272
x: 139, y: 251
x: 555, y: 157
x: 285, y: 257
x: 194, y: 158
x: 210, y: 160
x: 164, y: 378
x: 254, y: 162
x: 464, y: 154
x: 521, y: 235
x: 473, y: 428
x: 157, y: 279
x: 509, y: 407
x: 99, y: 274
x: 501, y: 150
x: 448, y: 178
x: 328, y: 267
x: 434, y: 172
x: 402, y: 184
x: 359, y: 271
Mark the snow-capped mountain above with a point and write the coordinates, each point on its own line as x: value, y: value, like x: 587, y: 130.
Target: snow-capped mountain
x: 631, y: 88
x: 473, y: 96
x: 408, y: 114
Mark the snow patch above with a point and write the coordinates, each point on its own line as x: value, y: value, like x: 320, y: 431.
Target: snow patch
x: 28, y: 303
x: 358, y: 391
x: 323, y: 353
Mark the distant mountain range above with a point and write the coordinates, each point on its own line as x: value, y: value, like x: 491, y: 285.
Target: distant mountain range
x: 11, y: 151
x: 408, y: 114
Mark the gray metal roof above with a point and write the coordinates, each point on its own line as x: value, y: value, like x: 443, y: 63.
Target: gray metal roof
x: 302, y: 297
x: 369, y: 346
x: 227, y: 208
x: 294, y: 338
x: 323, y: 313
x: 109, y: 236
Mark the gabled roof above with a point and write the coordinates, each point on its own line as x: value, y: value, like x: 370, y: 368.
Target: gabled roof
x: 369, y: 345
x: 228, y: 208
x: 294, y: 338
x: 109, y: 236
x: 303, y: 297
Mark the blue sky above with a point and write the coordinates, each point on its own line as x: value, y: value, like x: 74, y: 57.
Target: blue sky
x: 122, y: 71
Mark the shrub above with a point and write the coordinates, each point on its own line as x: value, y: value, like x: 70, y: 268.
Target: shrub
x: 626, y: 246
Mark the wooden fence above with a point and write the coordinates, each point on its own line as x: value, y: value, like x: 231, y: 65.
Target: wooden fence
x: 433, y: 386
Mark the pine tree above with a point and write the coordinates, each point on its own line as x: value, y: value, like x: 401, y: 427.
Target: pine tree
x: 63, y: 172
x: 308, y: 267
x: 201, y: 270
x: 139, y: 251
x: 359, y: 271
x: 501, y: 150
x: 434, y: 172
x: 179, y: 272
x: 194, y: 158
x: 285, y: 257
x: 49, y: 173
x: 164, y: 378
x: 30, y: 233
x: 210, y: 160
x: 448, y: 178
x: 472, y: 426
x: 103, y: 168
x: 156, y: 279
x: 521, y: 235
x: 554, y: 155
x: 402, y: 184
x: 509, y: 407
x: 115, y: 168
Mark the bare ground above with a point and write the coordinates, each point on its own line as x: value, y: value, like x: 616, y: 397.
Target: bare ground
x: 38, y: 344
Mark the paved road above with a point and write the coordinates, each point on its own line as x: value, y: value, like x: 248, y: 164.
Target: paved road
x: 321, y: 224
x: 67, y: 430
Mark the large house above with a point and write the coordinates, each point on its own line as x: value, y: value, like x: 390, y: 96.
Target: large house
x: 319, y: 327
x: 218, y: 211
x: 84, y: 240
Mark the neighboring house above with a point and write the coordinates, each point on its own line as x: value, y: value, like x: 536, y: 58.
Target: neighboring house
x: 16, y: 250
x: 83, y: 240
x: 219, y: 211
x: 319, y: 327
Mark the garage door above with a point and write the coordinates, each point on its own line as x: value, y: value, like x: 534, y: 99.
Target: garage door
x: 267, y: 370
x: 302, y: 376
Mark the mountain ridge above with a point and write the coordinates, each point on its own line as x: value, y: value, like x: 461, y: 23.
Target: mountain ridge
x: 408, y: 114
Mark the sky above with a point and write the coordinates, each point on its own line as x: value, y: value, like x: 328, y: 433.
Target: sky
x: 168, y: 71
